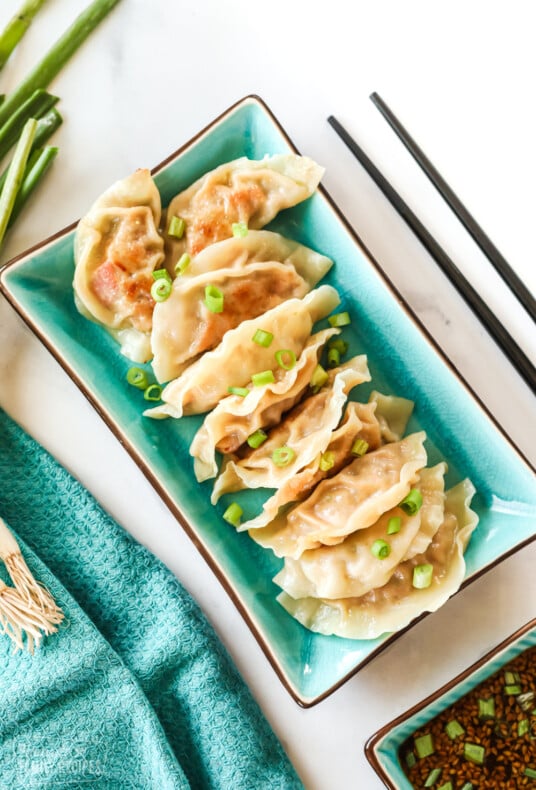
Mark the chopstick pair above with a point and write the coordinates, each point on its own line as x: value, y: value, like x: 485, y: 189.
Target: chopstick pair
x: 503, y: 339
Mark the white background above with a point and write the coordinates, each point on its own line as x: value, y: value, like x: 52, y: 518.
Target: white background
x: 460, y: 75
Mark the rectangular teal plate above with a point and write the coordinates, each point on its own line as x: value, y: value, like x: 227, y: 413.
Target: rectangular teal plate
x: 382, y: 748
x: 403, y: 360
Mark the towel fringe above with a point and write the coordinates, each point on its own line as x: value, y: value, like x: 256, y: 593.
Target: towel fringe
x: 30, y: 590
x: 22, y: 622
x: 27, y: 611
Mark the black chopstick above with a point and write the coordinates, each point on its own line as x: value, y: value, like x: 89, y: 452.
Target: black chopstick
x: 503, y: 339
x: 498, y: 261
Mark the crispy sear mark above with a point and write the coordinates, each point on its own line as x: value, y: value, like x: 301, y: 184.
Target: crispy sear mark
x: 122, y: 283
x: 244, y: 299
x: 221, y: 207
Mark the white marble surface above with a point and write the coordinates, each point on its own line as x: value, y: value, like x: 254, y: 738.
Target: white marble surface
x: 460, y: 75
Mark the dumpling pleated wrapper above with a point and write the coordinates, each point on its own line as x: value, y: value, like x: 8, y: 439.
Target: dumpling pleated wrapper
x: 353, y: 499
x: 429, y: 526
x: 393, y: 413
x: 298, y: 487
x: 237, y: 358
x: 359, y: 422
x: 306, y: 430
x: 254, y: 274
x: 252, y: 191
x: 350, y: 569
x: 257, y: 246
x: 235, y: 418
x: 398, y: 603
x: 116, y: 248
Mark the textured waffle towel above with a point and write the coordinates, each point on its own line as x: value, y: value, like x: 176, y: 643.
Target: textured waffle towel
x: 135, y: 691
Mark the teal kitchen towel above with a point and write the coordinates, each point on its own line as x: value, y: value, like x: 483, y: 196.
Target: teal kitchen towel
x: 135, y: 690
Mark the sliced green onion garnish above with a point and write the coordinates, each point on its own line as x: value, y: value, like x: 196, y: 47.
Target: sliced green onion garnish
x: 176, y: 227
x: 526, y: 700
x: 233, y: 514
x: 511, y: 677
x: 486, y: 708
x: 394, y: 525
x: 522, y: 727
x: 241, y: 391
x: 264, y: 377
x: 359, y: 447
x: 340, y: 344
x: 433, y: 776
x: 446, y: 786
x: 152, y: 392
x: 424, y: 746
x: 137, y: 378
x: 340, y: 319
x: 283, y: 456
x: 474, y: 752
x: 334, y: 357
x: 160, y: 290
x: 319, y: 378
x: 381, y: 549
x: 161, y: 274
x: 262, y: 338
x: 410, y: 759
x: 327, y: 461
x: 412, y: 503
x: 182, y: 264
x: 467, y: 786
x: 512, y: 690
x: 422, y: 576
x: 454, y: 729
x: 240, y: 229
x: 530, y: 772
x: 257, y: 438
x: 285, y: 358
x: 213, y: 299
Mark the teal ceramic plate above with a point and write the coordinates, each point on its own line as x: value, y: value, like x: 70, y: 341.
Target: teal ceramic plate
x: 383, y: 747
x: 402, y: 359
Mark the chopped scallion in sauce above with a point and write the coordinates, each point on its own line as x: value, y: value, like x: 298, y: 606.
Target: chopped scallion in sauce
x: 482, y: 739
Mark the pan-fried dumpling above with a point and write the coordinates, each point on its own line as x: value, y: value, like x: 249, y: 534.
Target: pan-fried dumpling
x: 238, y: 358
x: 244, y: 190
x: 353, y: 499
x: 229, y: 424
x: 116, y: 249
x: 306, y: 432
x: 359, y: 422
x: 350, y: 569
x: 397, y: 603
x: 298, y: 487
x: 254, y: 274
x: 257, y: 246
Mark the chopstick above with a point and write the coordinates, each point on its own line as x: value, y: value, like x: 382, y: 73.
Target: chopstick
x: 498, y: 261
x: 503, y: 339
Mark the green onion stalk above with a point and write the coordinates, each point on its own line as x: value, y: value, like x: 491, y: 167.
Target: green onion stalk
x: 46, y: 126
x: 39, y: 103
x: 57, y: 56
x: 15, y: 174
x: 38, y: 164
x: 16, y: 28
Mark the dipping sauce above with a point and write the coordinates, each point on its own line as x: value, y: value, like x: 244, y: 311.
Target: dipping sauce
x: 487, y: 739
